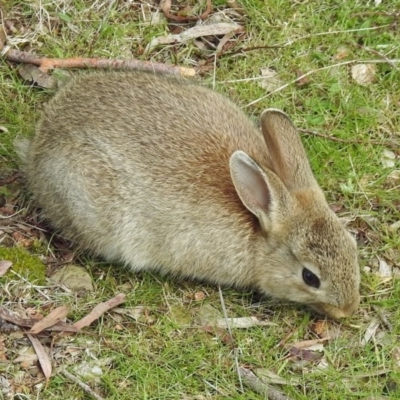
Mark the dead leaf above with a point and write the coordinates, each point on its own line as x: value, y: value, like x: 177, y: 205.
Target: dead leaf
x: 26, y: 357
x: 99, y: 310
x: 221, y: 334
x: 394, y: 176
x: 33, y: 74
x: 15, y: 318
x: 219, y: 29
x: 364, y: 74
x: 4, y: 266
x: 43, y: 357
x: 139, y: 314
x: 319, y: 327
x: 385, y: 270
x: 22, y: 240
x: 342, y: 53
x: 388, y: 159
x: 75, y: 277
x: 305, y: 344
x: 242, y: 322
x: 208, y: 315
x: 370, y: 331
x: 270, y: 81
x: 259, y: 386
x: 274, y: 379
x: 306, y: 355
x: 51, y: 319
x: 301, y: 79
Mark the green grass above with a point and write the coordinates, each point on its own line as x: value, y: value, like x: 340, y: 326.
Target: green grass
x: 163, y: 357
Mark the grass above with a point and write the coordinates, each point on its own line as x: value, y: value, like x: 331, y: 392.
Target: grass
x: 166, y: 355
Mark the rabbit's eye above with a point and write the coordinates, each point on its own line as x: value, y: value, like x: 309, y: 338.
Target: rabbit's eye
x: 311, y: 279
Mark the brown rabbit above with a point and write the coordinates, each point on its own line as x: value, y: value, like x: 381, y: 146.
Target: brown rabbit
x: 162, y: 174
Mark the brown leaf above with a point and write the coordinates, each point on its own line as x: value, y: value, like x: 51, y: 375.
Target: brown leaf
x: 99, y: 310
x: 306, y: 355
x: 33, y: 74
x: 43, y: 357
x: 308, y: 343
x: 4, y: 266
x: 342, y: 53
x: 302, y: 80
x: 319, y: 327
x: 51, y: 319
x: 16, y: 319
x: 221, y: 334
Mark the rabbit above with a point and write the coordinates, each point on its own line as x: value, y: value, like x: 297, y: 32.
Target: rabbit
x: 164, y: 174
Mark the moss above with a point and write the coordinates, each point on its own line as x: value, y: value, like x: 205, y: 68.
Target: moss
x: 24, y: 264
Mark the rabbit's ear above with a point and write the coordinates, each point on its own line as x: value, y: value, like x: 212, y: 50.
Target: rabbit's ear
x: 287, y: 154
x: 261, y: 192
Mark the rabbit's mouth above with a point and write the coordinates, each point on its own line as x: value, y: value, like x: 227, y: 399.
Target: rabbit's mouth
x: 337, y: 312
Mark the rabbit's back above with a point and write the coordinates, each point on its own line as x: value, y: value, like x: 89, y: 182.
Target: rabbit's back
x: 133, y: 166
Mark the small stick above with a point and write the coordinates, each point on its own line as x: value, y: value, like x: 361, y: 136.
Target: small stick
x: 11, y: 179
x: 83, y: 386
x: 256, y: 384
x: 45, y: 63
x: 377, y: 53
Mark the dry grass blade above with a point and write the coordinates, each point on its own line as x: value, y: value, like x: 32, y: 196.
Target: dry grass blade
x: 99, y: 310
x: 51, y: 319
x: 43, y: 358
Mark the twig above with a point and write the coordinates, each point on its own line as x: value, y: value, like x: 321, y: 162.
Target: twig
x: 313, y: 71
x: 11, y: 179
x: 256, y: 384
x: 377, y: 53
x: 390, y: 144
x: 221, y: 298
x: 83, y: 386
x: 45, y: 63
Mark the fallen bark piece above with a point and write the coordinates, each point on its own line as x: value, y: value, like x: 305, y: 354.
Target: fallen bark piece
x: 46, y: 64
x: 99, y: 310
x: 49, y: 320
x: 15, y: 319
x: 43, y: 357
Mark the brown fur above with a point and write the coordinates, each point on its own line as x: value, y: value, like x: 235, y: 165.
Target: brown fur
x: 160, y: 173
